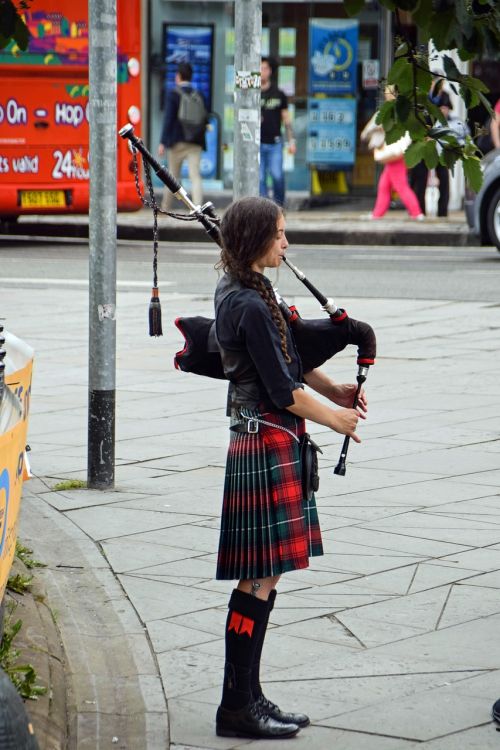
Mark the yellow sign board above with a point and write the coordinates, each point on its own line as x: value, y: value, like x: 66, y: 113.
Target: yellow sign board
x: 12, y: 471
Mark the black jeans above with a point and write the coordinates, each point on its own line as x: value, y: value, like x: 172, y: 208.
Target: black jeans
x: 418, y: 183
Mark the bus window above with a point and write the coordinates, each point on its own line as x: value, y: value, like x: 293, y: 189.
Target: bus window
x: 44, y: 111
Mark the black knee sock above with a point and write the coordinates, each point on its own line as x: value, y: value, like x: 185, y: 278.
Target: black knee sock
x: 255, y: 678
x: 246, y: 619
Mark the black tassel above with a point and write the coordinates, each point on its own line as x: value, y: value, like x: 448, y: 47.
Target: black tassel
x: 155, y: 314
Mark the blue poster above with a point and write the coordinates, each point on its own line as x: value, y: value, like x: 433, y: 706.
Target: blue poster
x: 331, y: 132
x: 333, y: 53
x: 192, y: 44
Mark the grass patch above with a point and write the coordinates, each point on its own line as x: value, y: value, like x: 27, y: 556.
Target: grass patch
x: 70, y: 484
x: 19, y: 583
x: 23, y: 676
x: 24, y: 554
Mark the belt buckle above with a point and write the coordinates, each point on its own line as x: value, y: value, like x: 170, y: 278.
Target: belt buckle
x: 253, y: 426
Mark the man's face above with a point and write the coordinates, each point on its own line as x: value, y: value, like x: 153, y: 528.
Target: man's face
x: 265, y: 72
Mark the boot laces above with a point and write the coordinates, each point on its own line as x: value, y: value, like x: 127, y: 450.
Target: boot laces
x: 259, y: 710
x: 266, y: 704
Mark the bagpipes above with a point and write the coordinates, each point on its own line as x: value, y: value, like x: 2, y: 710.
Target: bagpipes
x: 316, y: 340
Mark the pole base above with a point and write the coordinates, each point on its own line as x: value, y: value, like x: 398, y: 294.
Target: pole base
x: 101, y: 440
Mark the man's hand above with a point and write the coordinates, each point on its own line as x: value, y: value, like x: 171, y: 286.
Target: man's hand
x: 161, y: 149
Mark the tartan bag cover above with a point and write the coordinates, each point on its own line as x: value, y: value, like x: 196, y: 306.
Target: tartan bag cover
x: 267, y: 527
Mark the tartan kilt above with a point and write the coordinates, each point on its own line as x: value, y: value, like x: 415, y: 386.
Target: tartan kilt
x: 267, y: 527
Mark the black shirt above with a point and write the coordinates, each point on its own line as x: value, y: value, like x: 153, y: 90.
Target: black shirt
x: 249, y: 337
x: 272, y: 102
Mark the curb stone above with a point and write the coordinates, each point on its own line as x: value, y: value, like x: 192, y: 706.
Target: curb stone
x: 102, y: 636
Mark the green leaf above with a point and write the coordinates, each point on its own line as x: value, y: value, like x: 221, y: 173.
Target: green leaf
x: 398, y: 65
x: 415, y: 127
x: 407, y: 4
x: 385, y: 116
x: 431, y: 155
x: 473, y: 43
x: 435, y: 112
x: 21, y: 34
x: 8, y: 17
x: 353, y: 7
x: 448, y: 158
x: 402, y: 107
x: 424, y: 80
x: 486, y: 103
x: 443, y: 26
x: 422, y: 14
x: 475, y: 83
x: 451, y: 69
x: 414, y: 153
x: 402, y: 50
x: 401, y: 74
x: 473, y: 173
x: 394, y: 133
x: 465, y: 55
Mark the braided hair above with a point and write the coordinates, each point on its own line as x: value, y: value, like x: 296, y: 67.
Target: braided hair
x: 248, y: 229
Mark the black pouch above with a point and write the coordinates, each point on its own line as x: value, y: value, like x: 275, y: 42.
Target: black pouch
x: 309, y: 465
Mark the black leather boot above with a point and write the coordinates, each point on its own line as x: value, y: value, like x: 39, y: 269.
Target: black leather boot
x: 276, y: 713
x: 253, y: 722
x: 271, y: 708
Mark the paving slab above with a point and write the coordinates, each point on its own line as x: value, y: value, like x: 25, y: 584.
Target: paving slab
x: 397, y: 622
x: 479, y: 738
x: 446, y: 712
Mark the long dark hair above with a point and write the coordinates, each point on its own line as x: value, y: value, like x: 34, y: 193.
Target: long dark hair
x: 248, y: 230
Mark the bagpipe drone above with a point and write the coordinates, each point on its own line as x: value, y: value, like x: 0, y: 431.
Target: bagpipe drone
x: 317, y: 340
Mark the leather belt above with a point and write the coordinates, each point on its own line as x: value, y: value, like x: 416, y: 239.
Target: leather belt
x: 251, y: 427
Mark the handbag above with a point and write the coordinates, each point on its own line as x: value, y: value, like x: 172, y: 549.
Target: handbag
x: 393, y: 151
x: 309, y: 465
x: 373, y: 133
x: 377, y: 139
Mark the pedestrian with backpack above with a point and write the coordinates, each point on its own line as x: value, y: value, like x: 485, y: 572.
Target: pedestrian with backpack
x: 183, y: 132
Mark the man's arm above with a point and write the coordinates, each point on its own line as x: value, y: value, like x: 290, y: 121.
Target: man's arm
x: 287, y: 122
x: 171, y: 110
x: 495, y: 128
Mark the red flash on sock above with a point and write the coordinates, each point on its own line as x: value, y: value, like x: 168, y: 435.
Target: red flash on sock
x: 240, y: 624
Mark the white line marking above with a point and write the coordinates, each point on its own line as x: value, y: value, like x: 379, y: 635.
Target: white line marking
x: 79, y: 282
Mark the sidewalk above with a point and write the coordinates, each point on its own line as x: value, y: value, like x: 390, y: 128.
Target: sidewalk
x: 335, y: 225
x: 390, y: 641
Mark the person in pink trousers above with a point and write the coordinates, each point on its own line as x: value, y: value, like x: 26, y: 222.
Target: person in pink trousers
x: 395, y: 173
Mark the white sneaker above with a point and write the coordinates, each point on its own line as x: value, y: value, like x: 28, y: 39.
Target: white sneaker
x: 420, y: 217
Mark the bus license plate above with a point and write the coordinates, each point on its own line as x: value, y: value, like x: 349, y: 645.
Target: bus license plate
x: 43, y: 198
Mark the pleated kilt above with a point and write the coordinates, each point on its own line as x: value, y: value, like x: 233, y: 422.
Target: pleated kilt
x: 267, y: 528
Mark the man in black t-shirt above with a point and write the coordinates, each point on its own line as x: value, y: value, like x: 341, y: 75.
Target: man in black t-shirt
x: 274, y: 114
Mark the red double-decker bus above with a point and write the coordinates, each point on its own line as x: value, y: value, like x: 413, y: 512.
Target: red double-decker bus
x: 44, y: 111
